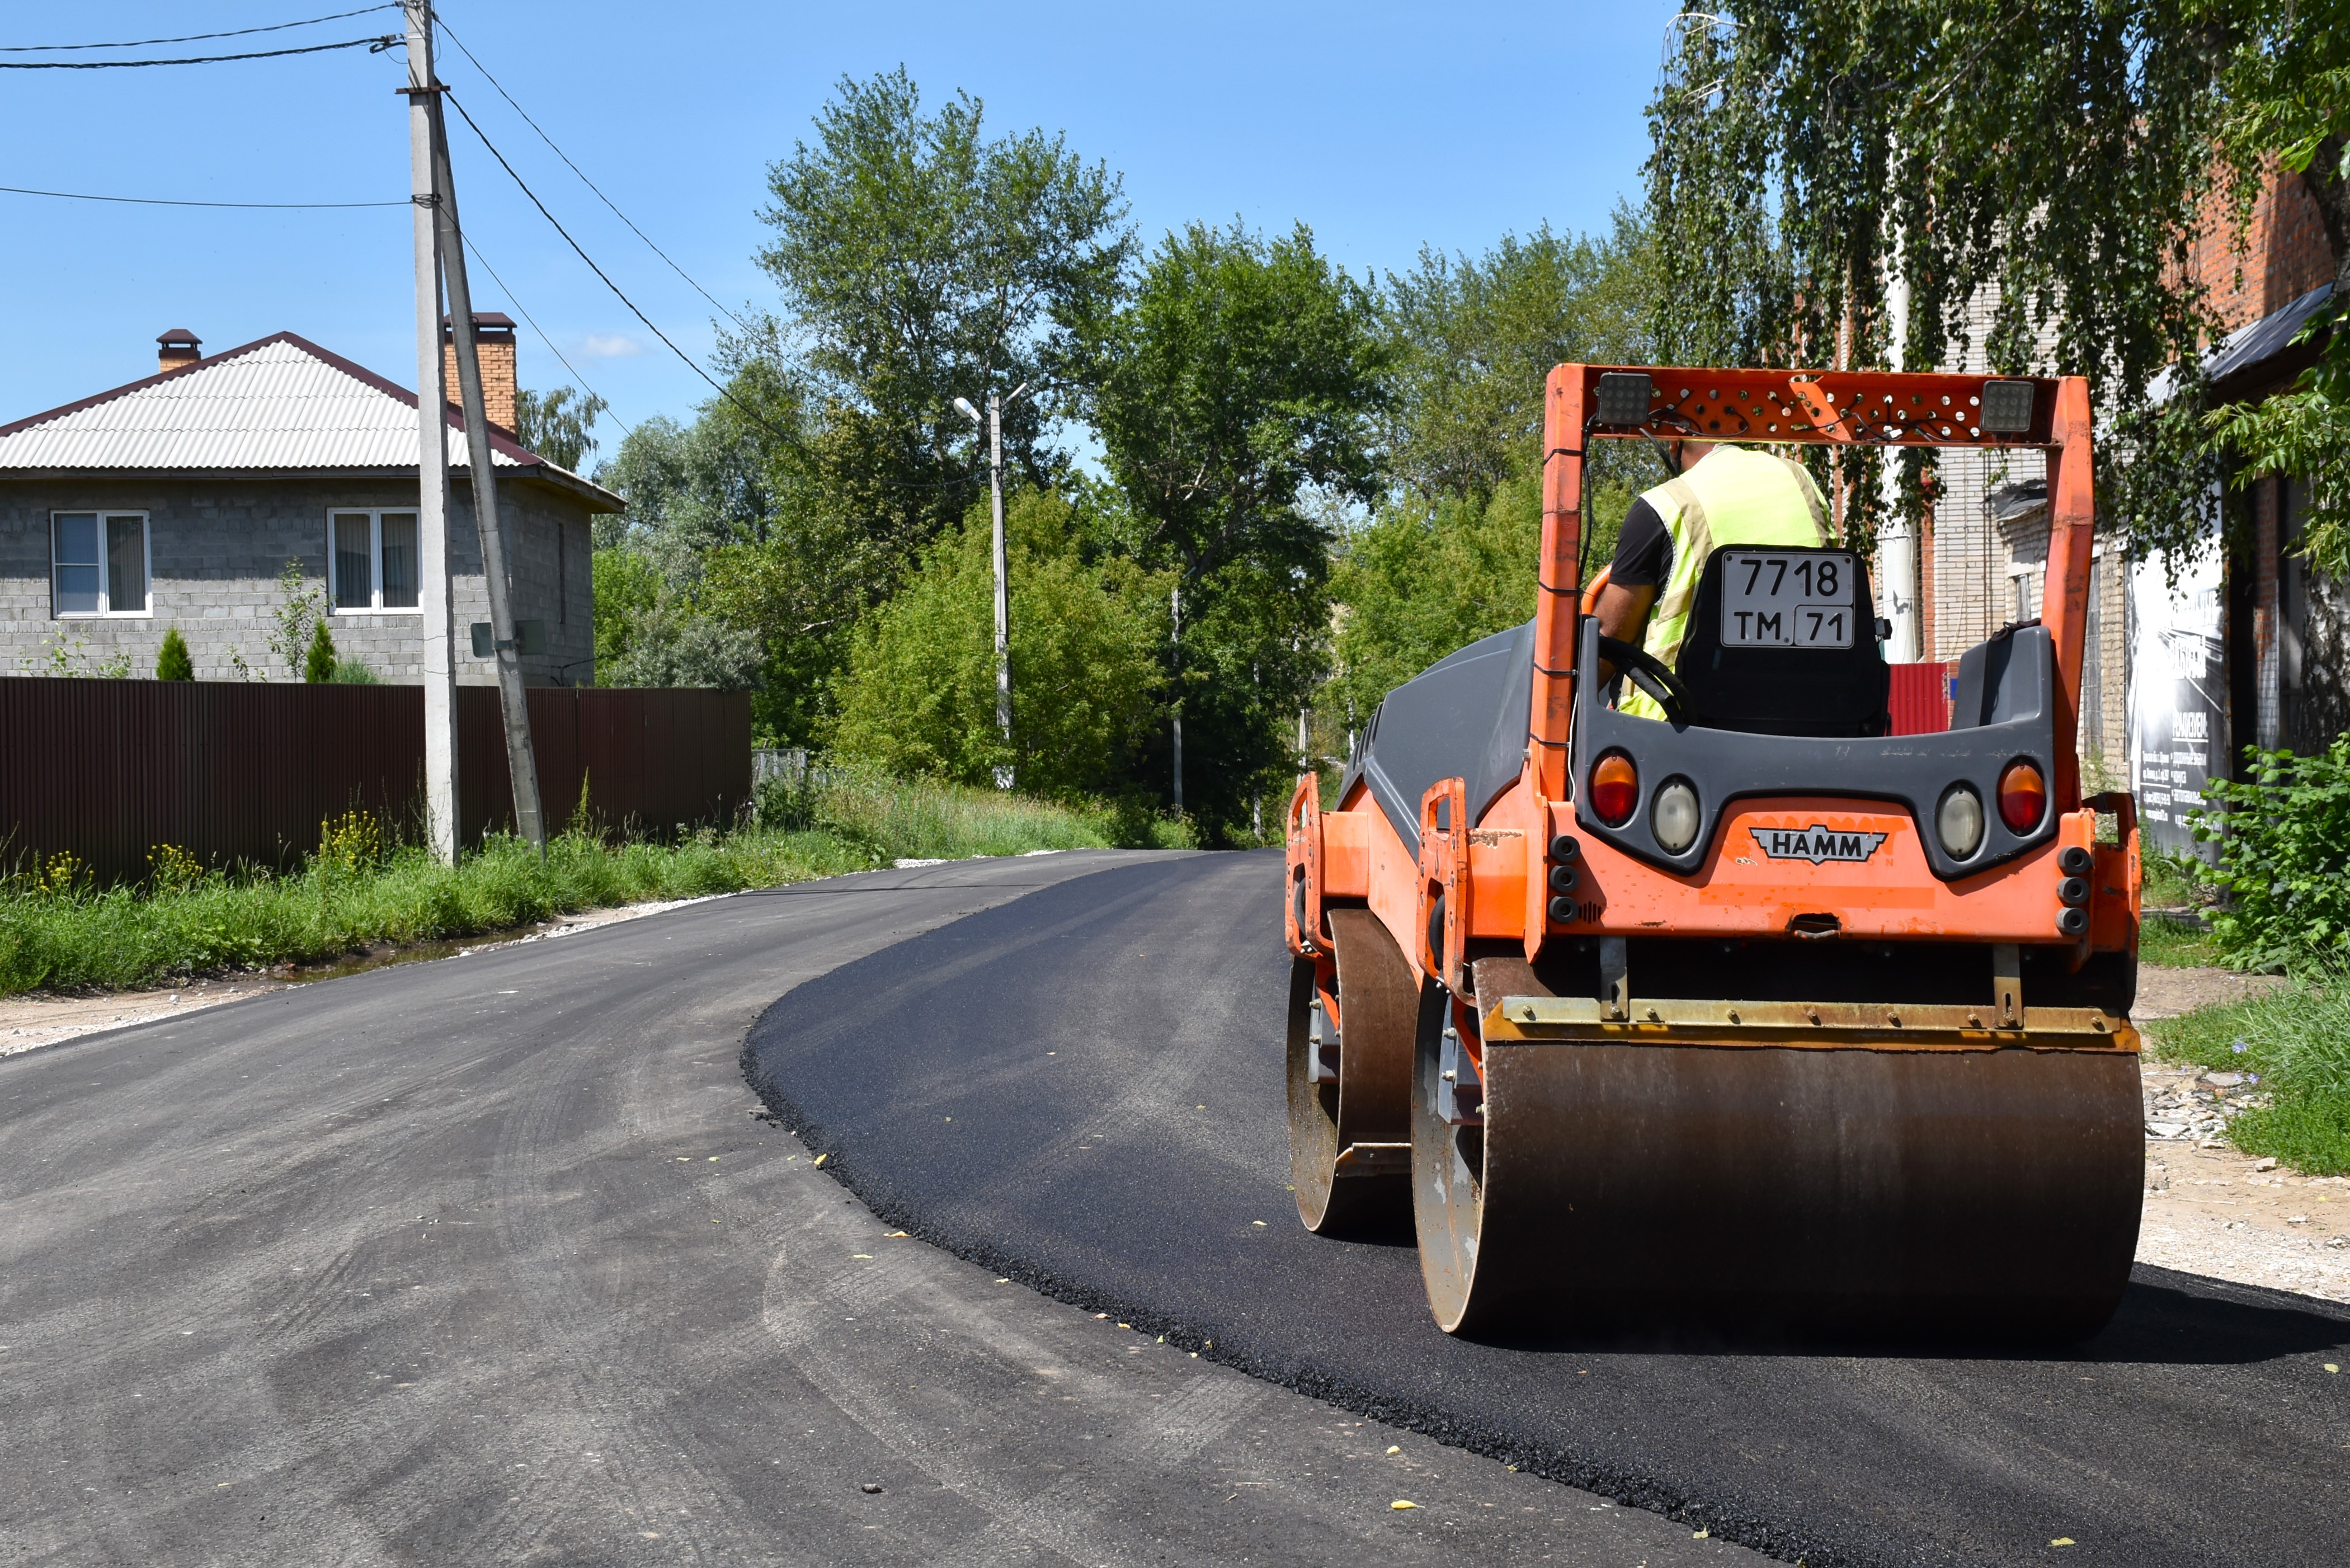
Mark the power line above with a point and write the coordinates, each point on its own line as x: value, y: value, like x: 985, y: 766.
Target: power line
x: 715, y: 384
x: 583, y: 176
x: 196, y: 38
x: 387, y: 41
x: 723, y: 391
x: 163, y: 201
x: 514, y: 299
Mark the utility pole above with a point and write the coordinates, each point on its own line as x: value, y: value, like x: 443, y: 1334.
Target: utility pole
x: 432, y: 454
x: 1175, y: 617
x: 1002, y: 586
x: 522, y: 765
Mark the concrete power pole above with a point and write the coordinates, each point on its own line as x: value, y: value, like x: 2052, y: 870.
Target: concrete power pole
x: 1175, y: 621
x: 522, y: 763
x: 432, y: 455
x: 995, y: 406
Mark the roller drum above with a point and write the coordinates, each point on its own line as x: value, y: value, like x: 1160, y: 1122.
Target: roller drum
x: 1992, y: 1193
x: 1350, y: 1137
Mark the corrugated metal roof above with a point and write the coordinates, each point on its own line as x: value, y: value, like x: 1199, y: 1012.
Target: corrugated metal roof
x: 282, y: 402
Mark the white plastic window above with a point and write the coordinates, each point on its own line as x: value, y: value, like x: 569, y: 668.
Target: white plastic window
x: 98, y: 563
x: 371, y: 561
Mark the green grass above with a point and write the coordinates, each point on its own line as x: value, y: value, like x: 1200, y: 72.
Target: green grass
x: 2297, y: 1038
x: 2177, y: 941
x: 82, y: 937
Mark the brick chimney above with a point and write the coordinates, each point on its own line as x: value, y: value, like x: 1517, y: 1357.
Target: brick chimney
x: 494, y: 335
x: 180, y: 347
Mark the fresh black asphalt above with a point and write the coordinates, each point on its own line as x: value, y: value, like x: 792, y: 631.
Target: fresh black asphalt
x: 1083, y: 1090
x: 487, y: 1260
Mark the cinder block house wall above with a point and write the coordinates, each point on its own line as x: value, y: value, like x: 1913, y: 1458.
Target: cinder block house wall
x: 217, y: 540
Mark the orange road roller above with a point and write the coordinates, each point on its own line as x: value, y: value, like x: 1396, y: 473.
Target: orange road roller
x: 1758, y: 1016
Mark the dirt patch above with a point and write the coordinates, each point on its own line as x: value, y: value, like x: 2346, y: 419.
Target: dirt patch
x: 2167, y: 992
x: 39, y: 1018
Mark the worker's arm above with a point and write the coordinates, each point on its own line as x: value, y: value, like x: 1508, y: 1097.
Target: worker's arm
x: 1623, y: 613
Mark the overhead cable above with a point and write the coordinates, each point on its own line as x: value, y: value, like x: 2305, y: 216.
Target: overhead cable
x: 723, y: 391
x: 196, y: 38
x: 514, y: 299
x: 583, y: 176
x: 387, y: 41
x: 165, y: 201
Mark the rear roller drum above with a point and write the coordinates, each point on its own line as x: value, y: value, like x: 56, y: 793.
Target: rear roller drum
x: 1351, y: 1089
x: 1768, y: 1189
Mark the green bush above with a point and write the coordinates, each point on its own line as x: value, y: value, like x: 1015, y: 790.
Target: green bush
x: 318, y: 664
x: 349, y: 671
x: 2297, y: 1039
x: 173, y: 661
x: 2284, y: 859
x: 918, y: 698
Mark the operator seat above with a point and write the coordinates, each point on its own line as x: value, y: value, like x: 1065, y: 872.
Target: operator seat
x: 1757, y: 688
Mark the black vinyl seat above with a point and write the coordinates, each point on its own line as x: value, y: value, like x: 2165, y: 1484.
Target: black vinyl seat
x: 1824, y: 690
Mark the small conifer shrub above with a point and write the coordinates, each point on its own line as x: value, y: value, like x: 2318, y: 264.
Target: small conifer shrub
x: 172, y: 662
x: 319, y: 667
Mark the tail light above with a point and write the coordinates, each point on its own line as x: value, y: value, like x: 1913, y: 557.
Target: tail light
x: 1615, y: 789
x: 2023, y: 797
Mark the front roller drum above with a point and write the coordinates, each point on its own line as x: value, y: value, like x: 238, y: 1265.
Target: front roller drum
x: 1760, y: 1188
x: 1350, y: 1120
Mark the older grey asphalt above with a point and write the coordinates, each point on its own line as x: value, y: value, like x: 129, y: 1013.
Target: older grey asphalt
x: 487, y: 1260
x: 1084, y: 1090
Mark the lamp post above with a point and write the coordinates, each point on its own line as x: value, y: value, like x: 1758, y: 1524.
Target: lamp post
x: 993, y: 425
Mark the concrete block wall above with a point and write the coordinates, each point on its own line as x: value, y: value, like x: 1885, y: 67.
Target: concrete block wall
x: 217, y: 546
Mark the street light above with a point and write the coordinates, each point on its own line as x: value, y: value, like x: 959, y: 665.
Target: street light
x: 995, y: 427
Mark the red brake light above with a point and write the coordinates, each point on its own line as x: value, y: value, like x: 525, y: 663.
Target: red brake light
x: 1615, y: 789
x: 2023, y: 797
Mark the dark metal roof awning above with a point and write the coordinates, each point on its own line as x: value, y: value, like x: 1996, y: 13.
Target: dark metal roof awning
x: 2248, y: 348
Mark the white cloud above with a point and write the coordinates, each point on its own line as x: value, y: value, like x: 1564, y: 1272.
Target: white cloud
x: 610, y: 346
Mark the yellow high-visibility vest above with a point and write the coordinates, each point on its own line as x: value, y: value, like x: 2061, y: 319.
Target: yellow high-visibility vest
x: 1734, y: 496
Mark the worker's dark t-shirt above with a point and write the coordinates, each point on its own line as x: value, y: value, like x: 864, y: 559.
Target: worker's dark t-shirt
x: 1643, y: 551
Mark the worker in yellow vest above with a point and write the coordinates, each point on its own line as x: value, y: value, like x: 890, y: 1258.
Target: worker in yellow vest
x: 1723, y: 495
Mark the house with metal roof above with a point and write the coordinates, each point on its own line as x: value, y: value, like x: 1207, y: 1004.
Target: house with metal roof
x: 179, y: 499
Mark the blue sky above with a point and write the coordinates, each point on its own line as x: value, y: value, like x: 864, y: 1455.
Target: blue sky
x: 1382, y: 127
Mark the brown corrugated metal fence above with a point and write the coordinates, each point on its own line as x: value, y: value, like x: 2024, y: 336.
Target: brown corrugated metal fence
x: 234, y: 773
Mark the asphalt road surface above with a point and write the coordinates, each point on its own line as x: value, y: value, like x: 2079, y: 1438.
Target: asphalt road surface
x: 487, y: 1260
x: 1083, y: 1090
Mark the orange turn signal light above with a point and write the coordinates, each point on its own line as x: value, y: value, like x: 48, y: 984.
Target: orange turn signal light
x: 2023, y: 797
x: 1615, y: 789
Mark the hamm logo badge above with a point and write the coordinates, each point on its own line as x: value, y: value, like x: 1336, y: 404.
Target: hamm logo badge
x: 1816, y: 844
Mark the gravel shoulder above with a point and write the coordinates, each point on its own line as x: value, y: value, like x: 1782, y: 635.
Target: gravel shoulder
x: 2209, y: 1208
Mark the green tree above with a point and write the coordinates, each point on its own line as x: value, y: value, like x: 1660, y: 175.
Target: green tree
x: 173, y: 661
x: 1242, y: 382
x: 2050, y: 154
x: 922, y: 262
x: 1473, y: 342
x: 556, y: 424
x: 919, y: 697
x: 319, y: 663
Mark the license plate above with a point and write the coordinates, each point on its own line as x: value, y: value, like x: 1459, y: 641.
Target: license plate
x: 1772, y: 600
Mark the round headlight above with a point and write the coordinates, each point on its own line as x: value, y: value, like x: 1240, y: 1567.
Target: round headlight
x: 1960, y: 823
x: 1673, y: 817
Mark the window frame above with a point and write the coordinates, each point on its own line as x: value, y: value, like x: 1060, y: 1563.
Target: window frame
x: 104, y: 515
x: 375, y: 605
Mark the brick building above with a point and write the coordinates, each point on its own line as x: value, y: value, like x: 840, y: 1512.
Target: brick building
x: 178, y: 500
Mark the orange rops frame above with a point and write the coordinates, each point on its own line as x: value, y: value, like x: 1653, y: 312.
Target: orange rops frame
x: 1812, y: 408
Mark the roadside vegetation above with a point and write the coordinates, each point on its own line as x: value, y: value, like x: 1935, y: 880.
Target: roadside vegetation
x: 359, y: 889
x: 2277, y: 901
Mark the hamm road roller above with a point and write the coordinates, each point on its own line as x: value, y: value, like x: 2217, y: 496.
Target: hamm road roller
x: 1757, y: 1015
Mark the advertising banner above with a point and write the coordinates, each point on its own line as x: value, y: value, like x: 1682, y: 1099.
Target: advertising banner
x: 2177, y: 697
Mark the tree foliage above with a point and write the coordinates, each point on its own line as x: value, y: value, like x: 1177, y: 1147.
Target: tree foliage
x: 171, y: 660
x: 558, y: 425
x: 1244, y: 377
x: 922, y: 262
x: 1815, y: 156
x: 1086, y: 639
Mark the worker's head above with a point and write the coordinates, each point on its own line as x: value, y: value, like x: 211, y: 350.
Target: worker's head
x: 1687, y: 453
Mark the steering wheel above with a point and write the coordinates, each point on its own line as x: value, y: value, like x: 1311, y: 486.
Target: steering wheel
x: 1647, y: 672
